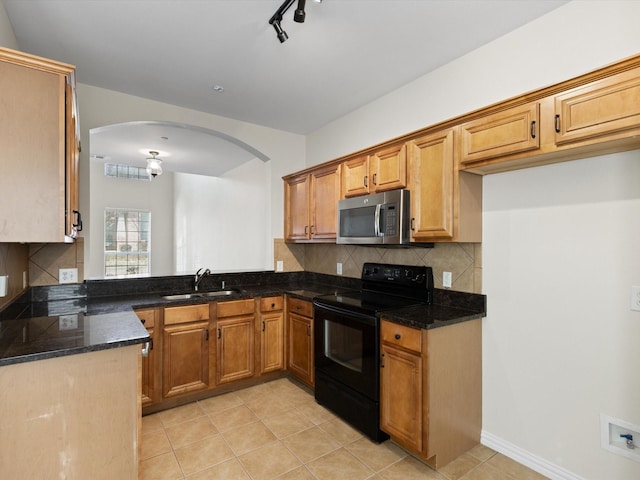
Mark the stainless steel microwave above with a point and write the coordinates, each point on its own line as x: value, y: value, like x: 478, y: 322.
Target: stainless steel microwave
x: 380, y: 218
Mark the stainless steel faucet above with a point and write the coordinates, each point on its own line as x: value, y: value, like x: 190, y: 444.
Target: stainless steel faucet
x: 199, y: 276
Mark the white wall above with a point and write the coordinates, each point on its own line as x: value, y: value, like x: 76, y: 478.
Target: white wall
x: 560, y: 247
x: 221, y: 223
x: 7, y: 37
x: 100, y: 107
x: 560, y: 253
x: 155, y: 196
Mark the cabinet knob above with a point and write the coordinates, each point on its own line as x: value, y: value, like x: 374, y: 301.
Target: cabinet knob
x: 273, y: 305
x: 397, y: 336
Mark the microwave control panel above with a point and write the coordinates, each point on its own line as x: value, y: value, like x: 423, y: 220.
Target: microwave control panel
x: 390, y: 228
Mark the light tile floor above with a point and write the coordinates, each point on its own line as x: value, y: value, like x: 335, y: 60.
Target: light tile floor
x: 277, y: 431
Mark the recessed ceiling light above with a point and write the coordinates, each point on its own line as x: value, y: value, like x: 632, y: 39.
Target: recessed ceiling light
x: 218, y: 88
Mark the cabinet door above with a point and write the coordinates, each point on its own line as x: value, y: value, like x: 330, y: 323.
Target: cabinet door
x: 600, y: 108
x: 431, y: 183
x: 149, y: 370
x: 514, y: 130
x: 72, y: 154
x: 355, y: 176
x: 32, y: 154
x: 296, y: 208
x: 272, y: 342
x: 235, y: 351
x: 325, y: 193
x: 401, y: 396
x: 388, y: 169
x: 301, y: 348
x: 185, y: 358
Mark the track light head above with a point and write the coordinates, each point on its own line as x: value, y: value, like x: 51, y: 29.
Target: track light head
x: 299, y: 14
x: 282, y: 35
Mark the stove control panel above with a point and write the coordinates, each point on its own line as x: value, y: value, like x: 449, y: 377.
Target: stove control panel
x: 410, y: 275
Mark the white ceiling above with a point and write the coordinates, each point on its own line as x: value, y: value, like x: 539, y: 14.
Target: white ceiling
x: 346, y: 54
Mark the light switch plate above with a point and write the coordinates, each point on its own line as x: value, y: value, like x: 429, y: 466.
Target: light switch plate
x: 279, y: 266
x: 446, y: 279
x: 635, y: 299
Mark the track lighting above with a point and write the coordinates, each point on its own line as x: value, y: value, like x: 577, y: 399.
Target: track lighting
x: 298, y: 16
x: 282, y: 35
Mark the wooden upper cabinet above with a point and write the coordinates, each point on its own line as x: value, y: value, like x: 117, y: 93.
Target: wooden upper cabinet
x: 325, y: 193
x: 38, y: 149
x: 296, y: 206
x: 598, y: 109
x: 431, y: 169
x: 507, y: 132
x: 355, y: 176
x: 311, y: 205
x: 388, y: 168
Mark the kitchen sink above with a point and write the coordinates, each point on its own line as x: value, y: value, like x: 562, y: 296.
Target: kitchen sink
x: 215, y: 293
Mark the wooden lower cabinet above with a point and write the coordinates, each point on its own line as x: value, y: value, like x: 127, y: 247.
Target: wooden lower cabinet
x: 185, y: 350
x: 271, y: 334
x: 300, y: 340
x: 150, y: 382
x: 235, y: 324
x: 431, y: 388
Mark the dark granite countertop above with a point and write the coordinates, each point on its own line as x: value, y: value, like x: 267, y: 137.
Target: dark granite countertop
x: 430, y: 316
x: 59, y: 328
x: 49, y: 322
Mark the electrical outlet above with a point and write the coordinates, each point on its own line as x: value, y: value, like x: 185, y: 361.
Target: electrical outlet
x: 339, y: 268
x: 446, y: 279
x: 279, y: 266
x: 68, y: 275
x: 24, y: 280
x: 635, y: 298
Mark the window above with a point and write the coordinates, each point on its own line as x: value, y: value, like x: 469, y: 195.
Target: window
x: 126, y: 242
x: 125, y: 171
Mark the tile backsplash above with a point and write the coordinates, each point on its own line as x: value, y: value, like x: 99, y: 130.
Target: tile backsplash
x: 463, y: 260
x: 13, y: 262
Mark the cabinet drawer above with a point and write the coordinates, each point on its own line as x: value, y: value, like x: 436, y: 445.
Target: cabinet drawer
x: 187, y: 313
x: 236, y: 307
x: 401, y: 335
x: 301, y: 307
x: 147, y: 317
x: 270, y: 304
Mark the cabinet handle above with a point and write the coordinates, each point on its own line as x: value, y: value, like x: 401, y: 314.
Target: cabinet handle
x: 312, y: 232
x: 413, y: 224
x: 219, y: 334
x: 306, y: 230
x: 79, y: 219
x: 151, y: 344
x: 382, y: 361
x: 263, y: 325
x: 373, y: 179
x: 206, y: 335
x: 397, y: 335
x: 533, y: 129
x: 308, y: 330
x: 366, y: 177
x: 557, y: 123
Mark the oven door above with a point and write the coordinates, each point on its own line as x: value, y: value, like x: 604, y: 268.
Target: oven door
x: 347, y: 348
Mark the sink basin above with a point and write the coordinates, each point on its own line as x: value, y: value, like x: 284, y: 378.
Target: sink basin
x: 215, y: 293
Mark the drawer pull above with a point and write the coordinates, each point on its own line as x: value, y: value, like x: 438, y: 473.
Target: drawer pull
x: 273, y: 305
x: 397, y: 336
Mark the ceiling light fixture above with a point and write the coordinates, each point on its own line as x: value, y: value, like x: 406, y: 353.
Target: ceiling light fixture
x: 154, y: 165
x: 299, y: 17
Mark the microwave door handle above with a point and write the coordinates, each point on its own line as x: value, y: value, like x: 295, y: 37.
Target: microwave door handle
x: 377, y: 220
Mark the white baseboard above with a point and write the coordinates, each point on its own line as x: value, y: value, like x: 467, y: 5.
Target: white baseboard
x: 540, y: 465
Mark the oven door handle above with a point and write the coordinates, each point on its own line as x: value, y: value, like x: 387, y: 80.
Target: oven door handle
x: 360, y: 317
x: 376, y: 219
